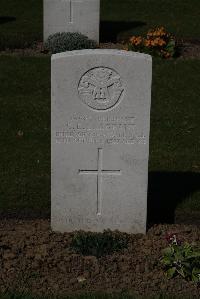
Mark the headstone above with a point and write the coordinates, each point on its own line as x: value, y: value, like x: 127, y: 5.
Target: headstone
x: 72, y: 16
x: 100, y: 140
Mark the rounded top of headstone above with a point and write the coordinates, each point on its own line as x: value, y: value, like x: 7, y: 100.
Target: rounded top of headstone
x: 102, y: 52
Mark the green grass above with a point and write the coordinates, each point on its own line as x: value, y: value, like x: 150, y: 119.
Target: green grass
x: 21, y: 22
x: 180, y: 16
x: 175, y: 142
x: 25, y: 28
x: 175, y: 122
x: 25, y: 107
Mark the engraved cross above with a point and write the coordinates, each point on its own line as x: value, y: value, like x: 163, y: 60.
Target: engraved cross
x: 100, y: 172
x: 71, y: 9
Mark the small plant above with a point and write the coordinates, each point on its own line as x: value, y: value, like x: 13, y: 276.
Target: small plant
x: 157, y: 42
x: 68, y: 41
x: 99, y: 244
x: 181, y: 259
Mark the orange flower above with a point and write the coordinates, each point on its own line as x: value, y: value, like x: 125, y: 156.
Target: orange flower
x: 159, y: 42
x: 150, y: 32
x: 136, y: 40
x: 153, y: 43
x: 132, y: 39
x: 165, y: 54
x: 158, y: 32
x: 155, y: 39
x: 147, y: 42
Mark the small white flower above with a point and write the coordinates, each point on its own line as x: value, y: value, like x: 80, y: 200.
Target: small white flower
x: 173, y: 240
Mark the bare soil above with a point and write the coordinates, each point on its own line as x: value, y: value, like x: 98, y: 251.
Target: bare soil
x: 36, y: 260
x: 187, y: 49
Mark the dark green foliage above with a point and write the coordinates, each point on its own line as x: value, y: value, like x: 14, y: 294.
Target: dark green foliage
x: 99, y: 244
x: 182, y: 259
x: 68, y: 41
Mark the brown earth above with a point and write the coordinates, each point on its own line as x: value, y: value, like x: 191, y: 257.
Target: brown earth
x: 187, y: 49
x: 36, y: 260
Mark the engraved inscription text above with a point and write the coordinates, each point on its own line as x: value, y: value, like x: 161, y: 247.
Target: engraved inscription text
x: 101, y: 129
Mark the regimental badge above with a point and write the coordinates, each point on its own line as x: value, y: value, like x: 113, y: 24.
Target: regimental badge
x: 100, y: 88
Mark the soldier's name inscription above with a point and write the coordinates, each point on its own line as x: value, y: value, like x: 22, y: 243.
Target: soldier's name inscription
x: 101, y: 129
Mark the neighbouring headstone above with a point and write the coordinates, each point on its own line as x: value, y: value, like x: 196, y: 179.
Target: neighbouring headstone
x: 72, y: 16
x: 100, y: 140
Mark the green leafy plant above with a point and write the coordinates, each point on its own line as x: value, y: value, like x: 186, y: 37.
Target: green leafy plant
x: 99, y: 244
x: 181, y: 259
x: 157, y: 42
x: 68, y: 41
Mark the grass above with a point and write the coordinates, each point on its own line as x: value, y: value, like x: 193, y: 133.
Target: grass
x: 175, y: 142
x: 179, y: 17
x: 21, y: 22
x: 25, y: 134
x: 25, y: 109
x: 175, y: 122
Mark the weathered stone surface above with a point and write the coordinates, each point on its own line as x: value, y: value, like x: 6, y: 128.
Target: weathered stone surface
x: 100, y: 140
x: 72, y: 16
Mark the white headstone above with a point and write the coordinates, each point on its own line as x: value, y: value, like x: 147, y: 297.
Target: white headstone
x: 72, y: 16
x: 100, y: 140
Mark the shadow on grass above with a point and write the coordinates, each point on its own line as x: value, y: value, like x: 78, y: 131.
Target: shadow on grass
x: 26, y: 214
x: 4, y: 20
x: 166, y: 191
x: 109, y: 31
